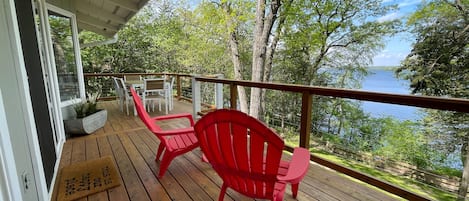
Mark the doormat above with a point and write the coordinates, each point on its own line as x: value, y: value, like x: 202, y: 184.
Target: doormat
x: 88, y: 177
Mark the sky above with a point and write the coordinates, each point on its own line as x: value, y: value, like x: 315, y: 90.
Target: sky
x: 399, y: 46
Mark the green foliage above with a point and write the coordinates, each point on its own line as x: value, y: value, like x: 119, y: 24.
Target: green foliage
x: 439, y: 59
x: 87, y: 107
x: 403, y: 141
x: 408, y: 184
x: 438, y: 66
x: 448, y: 171
x: 333, y: 35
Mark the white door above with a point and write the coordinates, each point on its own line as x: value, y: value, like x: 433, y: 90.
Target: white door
x: 63, y: 64
x: 41, y: 18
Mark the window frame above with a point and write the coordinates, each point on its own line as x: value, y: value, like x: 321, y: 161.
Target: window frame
x: 76, y: 49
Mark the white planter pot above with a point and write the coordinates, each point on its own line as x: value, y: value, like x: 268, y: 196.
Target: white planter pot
x: 86, y: 125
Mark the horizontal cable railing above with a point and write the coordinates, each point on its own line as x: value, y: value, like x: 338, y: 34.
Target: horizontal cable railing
x: 102, y: 83
x: 450, y: 104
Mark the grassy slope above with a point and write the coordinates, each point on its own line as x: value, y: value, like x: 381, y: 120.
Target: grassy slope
x: 405, y: 183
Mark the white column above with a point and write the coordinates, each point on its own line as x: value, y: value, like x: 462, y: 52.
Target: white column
x: 196, y: 104
x: 219, y: 93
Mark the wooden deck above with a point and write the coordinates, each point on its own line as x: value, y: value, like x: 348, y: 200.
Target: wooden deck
x: 133, y: 148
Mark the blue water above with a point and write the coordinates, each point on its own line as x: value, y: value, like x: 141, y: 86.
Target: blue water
x: 385, y: 81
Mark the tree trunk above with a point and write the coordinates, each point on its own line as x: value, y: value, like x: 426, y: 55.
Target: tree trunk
x: 234, y: 48
x: 463, y: 184
x: 237, y: 71
x: 269, y: 61
x: 262, y: 32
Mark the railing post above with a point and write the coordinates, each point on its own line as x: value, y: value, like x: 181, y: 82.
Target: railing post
x: 219, y: 93
x: 305, y: 129
x: 178, y: 90
x: 196, y: 103
x: 233, y: 96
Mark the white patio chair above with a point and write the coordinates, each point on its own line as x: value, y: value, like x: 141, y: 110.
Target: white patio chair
x: 170, y: 86
x: 119, y: 92
x: 155, y: 90
x: 127, y: 97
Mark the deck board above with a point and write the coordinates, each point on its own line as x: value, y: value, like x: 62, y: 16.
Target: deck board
x: 133, y: 184
x: 118, y: 193
x: 171, y: 185
x: 133, y: 148
x: 154, y: 188
x: 92, y: 152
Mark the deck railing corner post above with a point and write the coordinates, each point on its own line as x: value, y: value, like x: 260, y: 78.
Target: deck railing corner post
x: 306, y: 109
x: 233, y: 96
x: 196, y: 102
x: 178, y: 90
x: 219, y: 92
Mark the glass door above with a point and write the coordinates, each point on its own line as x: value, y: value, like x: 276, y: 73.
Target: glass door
x: 52, y: 103
x: 60, y: 54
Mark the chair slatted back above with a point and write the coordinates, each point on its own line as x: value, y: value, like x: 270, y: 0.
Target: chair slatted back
x: 117, y: 86
x: 243, y: 151
x: 124, y: 90
x: 132, y: 77
x: 154, y: 84
x: 142, y: 113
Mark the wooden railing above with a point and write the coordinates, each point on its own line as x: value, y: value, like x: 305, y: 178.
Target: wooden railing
x: 104, y: 81
x: 178, y: 83
x: 451, y: 104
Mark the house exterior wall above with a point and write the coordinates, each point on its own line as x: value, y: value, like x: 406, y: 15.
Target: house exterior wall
x: 8, y: 172
x: 18, y: 108
x: 19, y: 120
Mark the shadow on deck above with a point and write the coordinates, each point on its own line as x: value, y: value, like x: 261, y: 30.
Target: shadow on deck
x: 133, y: 148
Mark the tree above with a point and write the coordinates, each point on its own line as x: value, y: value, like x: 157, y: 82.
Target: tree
x: 438, y: 66
x: 230, y: 17
x: 135, y: 51
x: 265, y: 19
x: 329, y: 43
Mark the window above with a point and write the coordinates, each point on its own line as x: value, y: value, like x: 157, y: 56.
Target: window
x: 63, y: 37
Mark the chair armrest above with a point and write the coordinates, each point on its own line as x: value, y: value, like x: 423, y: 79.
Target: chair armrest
x: 178, y: 131
x: 175, y: 116
x: 298, y: 167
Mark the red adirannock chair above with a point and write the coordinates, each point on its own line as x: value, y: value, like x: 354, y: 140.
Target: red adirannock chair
x: 172, y: 142
x: 246, y: 154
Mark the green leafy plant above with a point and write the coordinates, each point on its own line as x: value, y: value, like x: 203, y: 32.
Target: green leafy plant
x: 87, y: 107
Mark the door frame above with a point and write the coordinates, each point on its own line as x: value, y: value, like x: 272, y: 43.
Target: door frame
x: 53, y: 88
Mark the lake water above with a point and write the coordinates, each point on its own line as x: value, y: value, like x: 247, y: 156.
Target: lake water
x: 384, y: 81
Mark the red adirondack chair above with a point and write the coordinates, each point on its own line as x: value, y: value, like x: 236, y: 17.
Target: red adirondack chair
x: 246, y: 154
x: 172, y: 142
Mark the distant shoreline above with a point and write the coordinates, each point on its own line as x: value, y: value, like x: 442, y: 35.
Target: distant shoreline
x: 383, y: 67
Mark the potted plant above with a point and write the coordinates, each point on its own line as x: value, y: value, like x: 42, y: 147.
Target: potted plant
x: 88, y: 117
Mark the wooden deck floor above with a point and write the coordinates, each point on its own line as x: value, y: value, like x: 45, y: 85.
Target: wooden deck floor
x: 133, y: 148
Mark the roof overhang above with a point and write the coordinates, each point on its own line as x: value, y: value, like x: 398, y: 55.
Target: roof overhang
x: 106, y: 17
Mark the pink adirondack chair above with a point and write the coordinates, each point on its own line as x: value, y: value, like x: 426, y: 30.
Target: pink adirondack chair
x: 246, y: 154
x: 172, y: 142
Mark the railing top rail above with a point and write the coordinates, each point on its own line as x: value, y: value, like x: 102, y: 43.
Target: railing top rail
x: 122, y: 74
x: 451, y: 104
